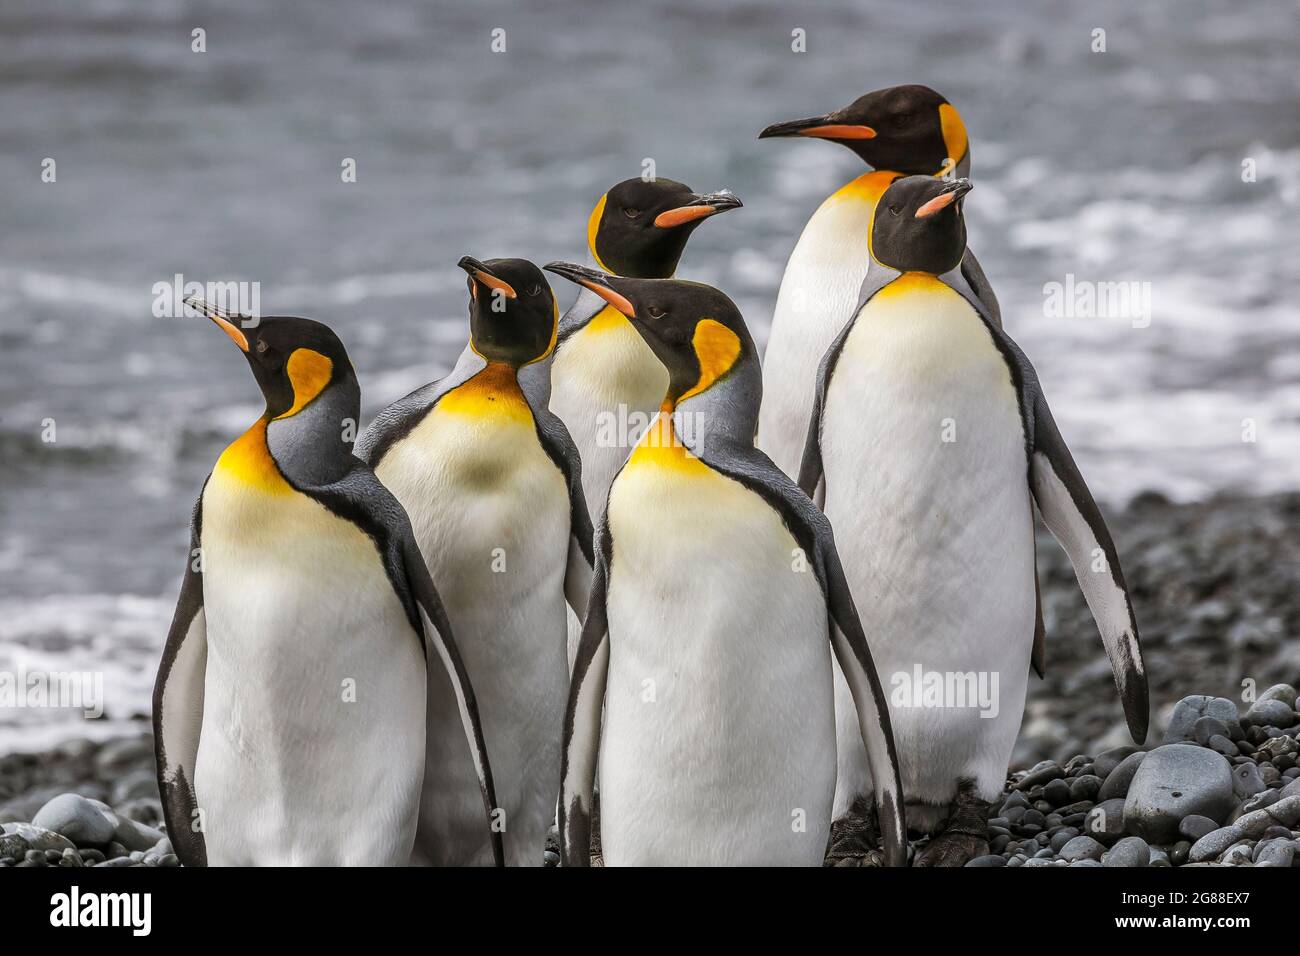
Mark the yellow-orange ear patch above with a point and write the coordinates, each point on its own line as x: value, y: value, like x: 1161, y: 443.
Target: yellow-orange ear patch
x: 593, y: 226
x: 716, y: 349
x: 954, y: 132
x: 309, y: 373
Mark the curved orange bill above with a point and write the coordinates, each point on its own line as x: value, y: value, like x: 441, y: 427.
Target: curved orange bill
x: 839, y: 131
x: 951, y: 193
x: 221, y: 319
x: 682, y: 215
x: 597, y: 282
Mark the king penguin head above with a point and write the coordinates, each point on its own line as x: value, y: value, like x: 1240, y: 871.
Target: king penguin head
x: 512, y: 312
x: 313, y: 401
x: 639, y: 228
x: 694, y: 329
x: 905, y: 129
x: 918, y: 225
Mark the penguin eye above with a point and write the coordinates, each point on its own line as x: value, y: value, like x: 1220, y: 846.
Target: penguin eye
x: 902, y: 119
x: 631, y: 213
x: 261, y: 346
x: 893, y: 209
x: 655, y: 312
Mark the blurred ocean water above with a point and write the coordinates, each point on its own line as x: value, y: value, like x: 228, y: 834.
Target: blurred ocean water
x: 225, y: 165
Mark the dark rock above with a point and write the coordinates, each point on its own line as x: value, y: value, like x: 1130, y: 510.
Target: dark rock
x: 1189, y: 710
x: 989, y: 860
x: 1057, y: 792
x: 1105, y: 821
x: 1283, y: 692
x: 1082, y: 848
x: 1207, y: 728
x: 1040, y: 775
x: 1195, y: 826
x: 1212, y: 844
x: 1085, y: 787
x: 1269, y: 713
x: 1118, y: 780
x: 1108, y: 760
x: 77, y: 818
x: 1179, y: 851
x: 1175, y: 781
x: 38, y: 838
x: 1128, y: 852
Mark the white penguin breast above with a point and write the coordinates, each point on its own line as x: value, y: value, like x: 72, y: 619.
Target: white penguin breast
x: 312, y: 665
x: 718, y: 714
x: 927, y: 488
x: 606, y: 385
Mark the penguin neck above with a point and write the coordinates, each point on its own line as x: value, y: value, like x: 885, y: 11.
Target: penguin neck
x: 723, y: 415
x: 313, y: 446
x: 493, y: 392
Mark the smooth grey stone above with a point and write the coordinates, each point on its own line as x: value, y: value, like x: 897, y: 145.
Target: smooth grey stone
x: 38, y: 838
x: 1175, y: 781
x: 162, y: 848
x: 118, y: 861
x: 1191, y: 709
x: 1283, y: 692
x: 1062, y: 837
x: 1222, y: 745
x: 1282, y: 813
x: 1268, y: 713
x: 1118, y: 780
x: 1196, y: 826
x: 990, y: 860
x: 1128, y: 852
x: 1246, y: 780
x: 71, y: 858
x: 1086, y: 863
x: 1269, y: 774
x: 1206, y: 728
x: 1082, y: 848
x: 1179, y: 851
x: 1211, y: 845
x: 136, y: 836
x: 1277, y: 852
x: 77, y: 818
x: 1108, y: 760
x: 1085, y: 787
x: 1159, y: 857
x: 551, y: 858
x: 1238, y: 855
x: 1057, y: 792
x: 1105, y: 821
x: 1037, y: 861
x: 1048, y: 770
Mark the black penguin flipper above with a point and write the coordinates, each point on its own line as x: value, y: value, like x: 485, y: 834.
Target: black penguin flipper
x: 559, y: 445
x: 178, y: 706
x: 974, y: 275
x: 811, y: 469
x: 812, y: 531
x: 360, y: 497
x: 1038, y: 656
x: 400, y: 418
x: 1071, y: 514
x: 582, y: 716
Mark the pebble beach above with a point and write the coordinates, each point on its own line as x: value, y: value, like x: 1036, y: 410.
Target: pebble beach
x: 1217, y: 593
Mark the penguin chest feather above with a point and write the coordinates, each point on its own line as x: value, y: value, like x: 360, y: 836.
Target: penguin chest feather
x: 926, y: 485
x: 718, y: 716
x: 314, y: 688
x: 490, y: 511
x: 606, y: 387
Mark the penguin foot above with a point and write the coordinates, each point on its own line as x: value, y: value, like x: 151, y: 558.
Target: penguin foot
x: 965, y: 835
x: 854, y: 838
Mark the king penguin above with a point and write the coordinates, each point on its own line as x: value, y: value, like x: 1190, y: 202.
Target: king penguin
x: 716, y: 597
x: 897, y: 131
x: 931, y: 440
x: 606, y: 383
x: 289, y: 706
x: 492, y: 482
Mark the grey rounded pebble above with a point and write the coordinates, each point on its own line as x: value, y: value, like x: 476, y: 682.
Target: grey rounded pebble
x: 1175, y: 781
x: 79, y: 819
x: 38, y: 838
x: 1238, y: 855
x: 1040, y: 775
x: 1086, y: 863
x: 118, y: 861
x: 1189, y: 710
x: 1246, y: 780
x: 1277, y: 852
x: 1105, y: 821
x: 1206, y: 728
x: 1179, y: 851
x: 1195, y: 826
x: 1108, y: 760
x: 1268, y: 713
x: 1128, y: 852
x: 71, y: 858
x: 1118, y: 780
x: 1212, y: 844
x: 136, y: 836
x: 1081, y: 848
x: 1085, y: 787
x: 1057, y: 792
x: 1222, y: 745
x: 990, y: 860
x: 1282, y: 813
x: 1283, y: 692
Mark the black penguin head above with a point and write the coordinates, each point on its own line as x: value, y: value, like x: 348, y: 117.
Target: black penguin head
x: 640, y: 228
x: 694, y: 329
x: 294, y: 360
x: 906, y: 129
x: 918, y: 225
x: 512, y: 311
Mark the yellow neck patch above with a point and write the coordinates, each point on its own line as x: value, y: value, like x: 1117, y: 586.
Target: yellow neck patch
x: 867, y: 188
x: 716, y: 348
x: 954, y: 133
x: 593, y: 226
x: 914, y: 283
x: 660, y: 447
x: 309, y: 373
x: 248, y: 461
x: 493, y: 392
